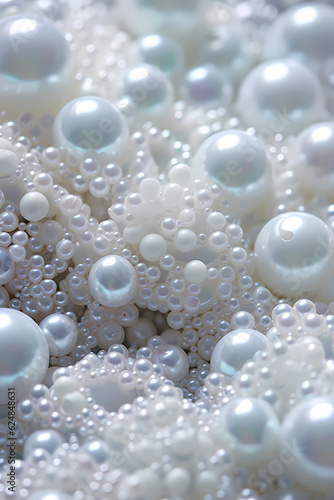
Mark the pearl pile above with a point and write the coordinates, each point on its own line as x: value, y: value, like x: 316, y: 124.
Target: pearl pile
x: 167, y: 249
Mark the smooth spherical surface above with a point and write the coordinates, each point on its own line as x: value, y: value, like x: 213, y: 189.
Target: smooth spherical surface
x: 24, y: 354
x: 280, y: 97
x: 96, y: 449
x: 90, y: 124
x: 8, y: 162
x: 308, y: 430
x: 152, y: 247
x: 48, y: 440
x: 109, y: 333
x: 113, y: 281
x: 252, y: 430
x: 138, y: 334
x: 195, y: 271
x: 206, y: 86
x: 235, y: 349
x: 294, y: 253
x: 174, y: 361
x: 7, y: 267
x: 34, y: 206
x: 238, y: 162
x: 60, y: 333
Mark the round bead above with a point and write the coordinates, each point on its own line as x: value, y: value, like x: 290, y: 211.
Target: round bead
x: 185, y: 240
x: 280, y: 97
x: 138, y: 334
x: 113, y: 281
x: 206, y: 86
x: 307, y: 433
x: 24, y: 354
x: 195, y: 271
x: 34, y: 206
x: 8, y: 162
x: 48, y: 440
x: 235, y: 349
x: 60, y: 333
x: 294, y: 253
x: 109, y: 333
x: 173, y: 360
x: 90, y: 125
x: 152, y: 247
x: 7, y: 267
x: 96, y: 449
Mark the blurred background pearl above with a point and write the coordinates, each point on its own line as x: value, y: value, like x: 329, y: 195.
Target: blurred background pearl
x: 90, y: 126
x: 35, y: 65
x: 113, y: 281
x: 60, y: 333
x: 280, y: 97
x: 49, y: 495
x: 109, y: 333
x: 235, y: 349
x: 24, y: 354
x: 45, y: 439
x: 239, y: 163
x: 308, y: 430
x: 311, y: 156
x: 294, y: 253
x: 96, y: 449
x: 173, y: 360
x: 138, y: 334
x: 252, y: 429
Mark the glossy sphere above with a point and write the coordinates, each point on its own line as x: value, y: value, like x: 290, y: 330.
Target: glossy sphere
x: 90, y: 124
x: 24, y: 354
x: 113, y: 281
x: 280, y: 97
x: 60, y: 333
x: 7, y: 267
x: 239, y: 163
x: 48, y: 440
x: 34, y: 206
x: 235, y: 349
x: 294, y: 253
x: 34, y: 64
x: 311, y: 157
x: 252, y: 430
x: 308, y: 430
x: 206, y: 86
x: 173, y: 360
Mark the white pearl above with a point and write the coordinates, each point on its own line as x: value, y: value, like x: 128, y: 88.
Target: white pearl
x: 235, y: 349
x: 294, y: 253
x: 48, y: 440
x: 60, y: 333
x: 24, y: 353
x: 35, y: 68
x: 280, y: 97
x: 206, y: 86
x: 96, y: 449
x: 138, y: 334
x: 239, y: 163
x: 109, y: 333
x: 34, y: 206
x: 90, y: 125
x: 307, y: 433
x: 173, y: 360
x: 113, y: 281
x: 8, y: 162
x: 251, y: 428
x: 152, y: 247
x: 7, y: 267
x: 195, y: 271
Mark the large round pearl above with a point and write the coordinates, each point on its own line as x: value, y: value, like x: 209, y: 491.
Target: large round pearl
x: 280, y: 97
x: 239, y: 163
x: 251, y: 428
x: 113, y: 281
x: 307, y: 433
x: 173, y: 360
x: 304, y: 32
x: 24, y: 354
x: 7, y: 267
x: 60, y: 333
x: 206, y: 86
x: 35, y: 65
x: 294, y: 253
x: 235, y: 349
x: 48, y: 440
x: 311, y: 156
x: 89, y: 126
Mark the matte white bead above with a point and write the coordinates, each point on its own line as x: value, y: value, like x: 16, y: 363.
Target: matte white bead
x: 195, y: 271
x: 34, y: 206
x: 152, y: 247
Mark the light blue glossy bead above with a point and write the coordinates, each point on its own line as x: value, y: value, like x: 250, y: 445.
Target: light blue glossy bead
x: 45, y: 439
x: 206, y: 86
x: 60, y: 333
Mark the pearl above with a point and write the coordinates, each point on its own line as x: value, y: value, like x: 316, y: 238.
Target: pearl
x: 240, y: 165
x: 138, y: 334
x: 235, y: 349
x: 7, y: 267
x: 152, y: 247
x: 280, y: 97
x: 35, y: 65
x: 8, y: 162
x: 109, y: 333
x: 24, y: 354
x: 60, y: 333
x: 48, y: 440
x: 195, y: 271
x: 173, y: 360
x: 113, y: 281
x: 288, y: 259
x: 90, y: 125
x: 206, y: 86
x: 34, y: 206
x: 96, y: 449
x: 307, y: 432
x: 251, y: 428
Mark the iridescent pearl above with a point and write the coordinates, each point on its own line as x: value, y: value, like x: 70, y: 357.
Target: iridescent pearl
x: 307, y: 433
x: 251, y: 428
x: 24, y: 353
x: 48, y: 440
x: 235, y: 349
x: 311, y: 157
x: 206, y: 86
x: 113, y: 281
x: 239, y: 163
x: 280, y: 97
x: 294, y: 253
x: 173, y: 360
x: 7, y: 267
x: 60, y: 333
x: 96, y: 449
x: 35, y: 65
x: 90, y: 125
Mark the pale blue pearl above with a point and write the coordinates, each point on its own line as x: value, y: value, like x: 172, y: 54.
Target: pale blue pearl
x: 173, y: 360
x: 96, y: 449
x: 146, y: 86
x: 206, y: 86
x: 45, y: 439
x: 113, y: 281
x: 60, y: 333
